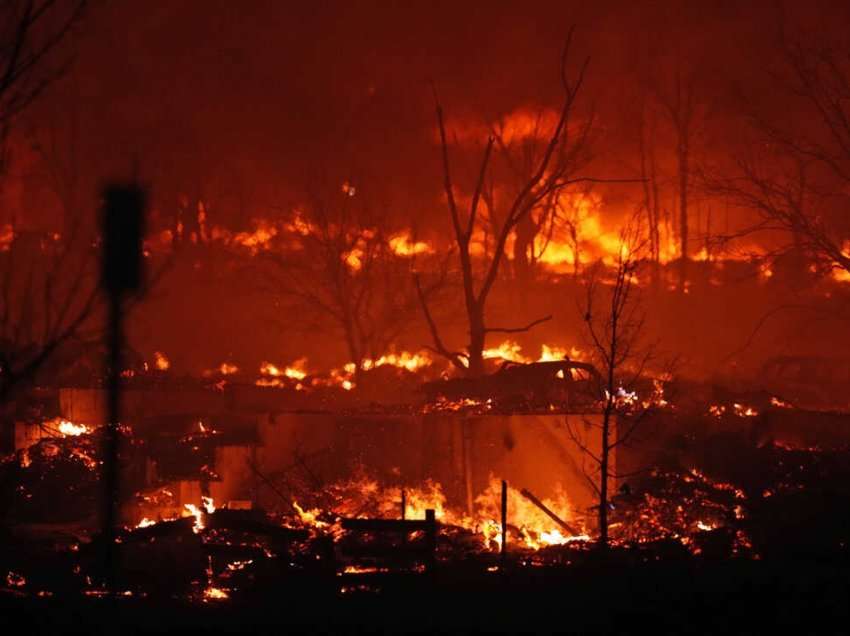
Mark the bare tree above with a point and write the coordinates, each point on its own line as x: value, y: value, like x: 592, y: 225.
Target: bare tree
x: 795, y: 175
x: 614, y: 321
x: 650, y: 177
x: 520, y: 155
x: 30, y: 31
x: 552, y: 172
x: 44, y: 291
x: 344, y: 272
x: 679, y: 106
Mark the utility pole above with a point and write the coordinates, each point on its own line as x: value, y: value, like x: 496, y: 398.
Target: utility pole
x: 123, y: 229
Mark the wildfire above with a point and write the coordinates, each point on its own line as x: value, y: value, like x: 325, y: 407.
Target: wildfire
x: 536, y: 529
x: 839, y: 273
x: 259, y: 239
x: 742, y: 410
x: 738, y: 410
x: 7, y: 236
x: 69, y: 429
x: 198, y: 513
x: 215, y: 594
x: 510, y: 350
x: 402, y: 244
x: 403, y: 360
x: 13, y: 579
x: 507, y: 350
x: 160, y: 361
x: 775, y: 401
x: 530, y: 525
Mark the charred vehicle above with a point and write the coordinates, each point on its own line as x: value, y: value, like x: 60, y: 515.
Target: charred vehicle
x: 563, y: 383
x: 807, y: 381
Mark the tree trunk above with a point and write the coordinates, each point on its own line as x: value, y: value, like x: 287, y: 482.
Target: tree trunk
x: 476, y: 345
x: 524, y: 235
x: 683, y: 206
x: 603, y: 478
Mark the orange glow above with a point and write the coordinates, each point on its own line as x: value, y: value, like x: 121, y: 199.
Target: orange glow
x: 161, y: 362
x: 215, y: 594
x: 259, y: 239
x: 228, y: 369
x: 7, y: 236
x: 840, y: 274
x: 365, y: 496
x: 507, y: 350
x: 191, y: 510
x: 403, y: 245
x: 69, y: 429
x: 403, y: 360
x: 510, y: 350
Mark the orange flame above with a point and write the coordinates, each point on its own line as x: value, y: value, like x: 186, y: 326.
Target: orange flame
x: 161, y: 362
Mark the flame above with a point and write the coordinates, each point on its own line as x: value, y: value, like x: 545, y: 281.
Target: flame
x: 198, y: 513
x: 537, y: 529
x: 13, y: 579
x: 69, y: 429
x: 839, y: 273
x: 7, y: 237
x: 402, y: 244
x: 742, y: 410
x: 259, y: 239
x: 273, y: 375
x: 208, y: 505
x: 403, y: 360
x: 507, y: 350
x: 364, y: 496
x: 227, y: 368
x: 775, y: 401
x: 161, y: 362
x: 297, y: 370
x: 739, y: 410
x: 212, y: 593
x: 510, y: 350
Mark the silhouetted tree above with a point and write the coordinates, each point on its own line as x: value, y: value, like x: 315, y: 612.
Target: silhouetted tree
x: 678, y: 103
x: 796, y: 171
x: 614, y: 319
x: 519, y: 153
x: 551, y: 173
x: 44, y: 297
x: 343, y: 272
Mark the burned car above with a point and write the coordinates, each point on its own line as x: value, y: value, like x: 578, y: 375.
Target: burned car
x: 807, y: 381
x: 561, y: 383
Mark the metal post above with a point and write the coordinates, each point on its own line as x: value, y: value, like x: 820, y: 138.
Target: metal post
x: 431, y: 537
x: 110, y: 460
x: 403, y: 504
x: 122, y: 232
x: 504, y: 519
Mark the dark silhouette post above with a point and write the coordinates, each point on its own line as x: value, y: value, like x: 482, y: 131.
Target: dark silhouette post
x: 123, y: 229
x: 504, y: 521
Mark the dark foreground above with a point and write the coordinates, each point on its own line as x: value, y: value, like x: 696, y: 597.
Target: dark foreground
x: 682, y: 597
